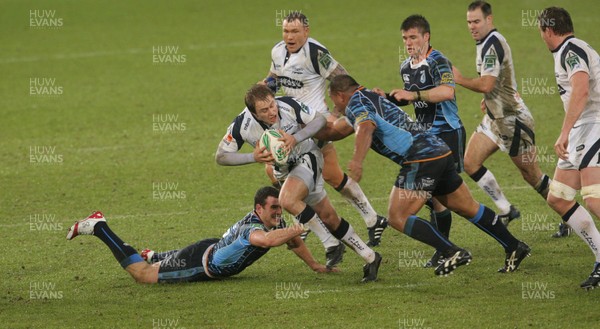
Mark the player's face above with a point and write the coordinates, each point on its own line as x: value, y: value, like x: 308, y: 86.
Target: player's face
x: 270, y: 213
x: 339, y: 102
x: 479, y: 26
x: 546, y: 37
x: 267, y: 110
x: 295, y: 35
x: 416, y: 43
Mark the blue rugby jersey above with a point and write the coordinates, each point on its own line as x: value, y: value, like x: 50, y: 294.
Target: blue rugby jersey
x: 233, y: 253
x: 433, y: 71
x: 396, y: 136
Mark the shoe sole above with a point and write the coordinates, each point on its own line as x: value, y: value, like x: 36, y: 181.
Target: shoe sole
x: 452, y: 267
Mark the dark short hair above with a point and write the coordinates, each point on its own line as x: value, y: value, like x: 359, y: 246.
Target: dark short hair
x: 557, y: 19
x: 263, y: 194
x: 297, y: 15
x: 343, y: 83
x: 258, y: 92
x: 416, y: 21
x: 485, y: 7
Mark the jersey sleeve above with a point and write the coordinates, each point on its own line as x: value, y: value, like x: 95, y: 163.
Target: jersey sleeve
x: 232, y: 141
x: 491, y: 59
x: 358, y: 113
x: 575, y: 60
x: 246, y: 230
x: 442, y: 72
x: 322, y: 61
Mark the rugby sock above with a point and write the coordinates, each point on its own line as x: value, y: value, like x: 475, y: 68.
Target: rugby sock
x: 583, y: 225
x: 443, y: 221
x: 124, y: 253
x: 486, y: 180
x: 314, y: 223
x: 486, y: 220
x: 543, y: 186
x: 351, y: 191
x: 423, y: 231
x: 345, y: 232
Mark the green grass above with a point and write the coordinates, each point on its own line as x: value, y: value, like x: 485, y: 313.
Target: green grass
x: 101, y: 127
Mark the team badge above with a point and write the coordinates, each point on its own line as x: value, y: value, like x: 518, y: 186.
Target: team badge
x: 572, y: 60
x: 490, y: 59
x: 447, y: 78
x: 422, y: 78
x: 304, y: 108
x: 324, y: 59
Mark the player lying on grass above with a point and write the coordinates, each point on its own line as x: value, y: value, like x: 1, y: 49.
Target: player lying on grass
x: 426, y: 169
x: 302, y: 191
x: 243, y: 243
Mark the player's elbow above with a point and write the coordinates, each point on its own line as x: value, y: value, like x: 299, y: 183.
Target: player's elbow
x: 487, y: 88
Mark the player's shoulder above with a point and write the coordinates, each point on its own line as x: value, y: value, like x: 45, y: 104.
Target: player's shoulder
x: 279, y: 46
x: 292, y: 105
x: 252, y: 222
x: 574, y: 50
x: 316, y: 45
x: 437, y: 56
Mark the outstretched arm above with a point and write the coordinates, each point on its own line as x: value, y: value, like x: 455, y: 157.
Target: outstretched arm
x: 334, y: 131
x: 483, y: 84
x: 276, y: 237
x: 225, y: 158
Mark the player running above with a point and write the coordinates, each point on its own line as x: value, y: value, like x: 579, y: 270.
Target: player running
x: 300, y: 65
x: 302, y: 191
x: 426, y: 169
x: 429, y: 86
x: 245, y: 242
x: 577, y: 71
x: 507, y: 124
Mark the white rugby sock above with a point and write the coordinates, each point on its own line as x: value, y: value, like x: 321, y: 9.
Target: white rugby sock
x: 352, y: 192
x: 319, y: 229
x: 583, y: 225
x: 488, y: 183
x: 346, y: 233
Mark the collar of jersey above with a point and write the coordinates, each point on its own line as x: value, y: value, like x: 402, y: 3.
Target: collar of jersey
x: 486, y: 36
x: 562, y: 43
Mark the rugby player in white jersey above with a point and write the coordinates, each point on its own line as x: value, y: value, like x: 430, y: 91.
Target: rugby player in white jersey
x: 302, y: 192
x: 301, y: 65
x: 577, y: 71
x: 507, y: 124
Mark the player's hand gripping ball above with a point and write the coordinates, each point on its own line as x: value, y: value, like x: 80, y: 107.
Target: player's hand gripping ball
x: 270, y: 140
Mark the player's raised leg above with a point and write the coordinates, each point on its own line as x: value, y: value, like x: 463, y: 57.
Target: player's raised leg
x: 479, y: 148
x: 352, y: 193
x: 127, y: 256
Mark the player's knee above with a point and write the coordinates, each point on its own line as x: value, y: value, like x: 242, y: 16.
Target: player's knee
x: 591, y: 197
x: 560, y: 196
x: 471, y: 167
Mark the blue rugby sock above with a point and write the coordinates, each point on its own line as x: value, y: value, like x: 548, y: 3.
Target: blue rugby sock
x: 486, y: 221
x: 423, y: 231
x: 124, y: 253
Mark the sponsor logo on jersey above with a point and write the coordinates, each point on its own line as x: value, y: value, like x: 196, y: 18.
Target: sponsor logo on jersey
x: 447, y: 78
x: 228, y: 139
x: 361, y: 117
x: 304, y: 108
x: 291, y: 83
x: 490, y: 59
x: 247, y: 124
x: 406, y: 78
x: 422, y: 78
x: 580, y: 147
x: 427, y: 182
x: 572, y: 60
x: 324, y: 59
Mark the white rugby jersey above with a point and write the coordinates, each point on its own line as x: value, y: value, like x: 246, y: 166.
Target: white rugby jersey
x: 575, y: 55
x: 494, y: 58
x: 302, y: 74
x: 246, y: 129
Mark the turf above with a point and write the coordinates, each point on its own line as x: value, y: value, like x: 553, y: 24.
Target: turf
x: 117, y: 132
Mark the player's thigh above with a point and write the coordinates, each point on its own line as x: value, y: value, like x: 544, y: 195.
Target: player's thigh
x: 455, y: 140
x: 332, y: 172
x: 479, y: 148
x: 292, y: 192
x: 327, y: 213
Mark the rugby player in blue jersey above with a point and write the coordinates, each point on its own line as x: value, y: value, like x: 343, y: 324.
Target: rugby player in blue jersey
x: 243, y: 243
x: 429, y: 86
x: 426, y: 169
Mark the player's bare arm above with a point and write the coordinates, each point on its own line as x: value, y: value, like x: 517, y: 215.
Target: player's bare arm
x: 435, y: 95
x: 483, y: 84
x: 299, y: 248
x: 276, y: 237
x: 339, y: 70
x: 579, y: 97
x: 334, y: 131
x: 364, y: 137
x: 308, y: 131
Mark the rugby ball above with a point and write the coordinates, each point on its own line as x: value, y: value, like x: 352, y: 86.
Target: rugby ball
x: 270, y: 140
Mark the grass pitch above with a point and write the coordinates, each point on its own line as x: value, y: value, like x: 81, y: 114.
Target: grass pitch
x: 96, y: 117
